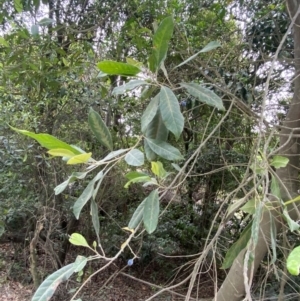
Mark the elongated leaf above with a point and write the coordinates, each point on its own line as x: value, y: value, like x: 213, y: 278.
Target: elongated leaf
x: 48, y: 141
x: 60, y: 152
x: 18, y: 5
x: 250, y: 206
x: 114, y: 154
x: 75, y: 175
x: 164, y: 149
x: 293, y: 262
x: 204, y: 95
x: 77, y: 239
x: 141, y: 179
x: 135, y: 157
x: 279, y: 161
x: 79, y: 159
x: 117, y: 68
x: 128, y: 86
x: 156, y: 129
x: 99, y: 129
x: 49, y: 285
x: 275, y: 189
x: 256, y: 223
x: 137, y: 215
x: 149, y: 113
x: 161, y: 41
x: 79, y: 263
x: 170, y: 111
x: 150, y: 154
x: 135, y: 174
x: 237, y: 247
x: 95, y: 217
x: 210, y: 46
x: 151, y: 211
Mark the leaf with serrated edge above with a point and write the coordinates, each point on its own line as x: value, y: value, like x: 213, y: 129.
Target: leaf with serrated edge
x: 151, y: 211
x: 204, y: 95
x: 137, y: 215
x: 149, y: 113
x: 170, y: 111
x: 46, y: 290
x: 135, y: 174
x: 117, y: 68
x: 77, y: 239
x: 164, y: 149
x: 135, y: 158
x: 99, y: 129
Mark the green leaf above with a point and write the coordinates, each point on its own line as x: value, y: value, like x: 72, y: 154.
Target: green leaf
x: 60, y: 152
x: 279, y: 161
x: 48, y: 141
x: 170, y: 111
x: 140, y: 179
x: 210, y: 46
x: 75, y: 175
x: 86, y: 195
x: 3, y: 42
x: 275, y: 189
x: 77, y: 239
x: 95, y: 217
x: 237, y: 247
x: 292, y: 224
x: 35, y: 30
x: 250, y: 206
x: 149, y: 113
x: 204, y: 95
x: 46, y: 22
x: 79, y: 263
x: 158, y: 169
x: 18, y: 5
x: 49, y: 285
x: 79, y: 159
x: 151, y: 211
x: 256, y: 223
x: 161, y: 41
x: 128, y: 86
x: 117, y: 68
x: 99, y: 129
x: 137, y: 215
x: 164, y: 149
x: 293, y: 262
x: 135, y: 174
x: 156, y: 129
x: 135, y: 158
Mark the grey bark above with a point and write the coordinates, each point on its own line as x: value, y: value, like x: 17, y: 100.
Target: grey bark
x: 233, y: 288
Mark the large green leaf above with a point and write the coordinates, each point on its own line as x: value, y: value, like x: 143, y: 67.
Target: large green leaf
x: 170, y: 111
x: 293, y: 262
x: 156, y: 129
x: 128, y: 86
x: 48, y: 141
x: 237, y: 247
x: 49, y: 285
x: 151, y: 211
x: 204, y: 95
x: 135, y: 157
x: 161, y: 41
x: 137, y: 215
x: 210, y: 46
x: 99, y: 129
x: 117, y: 68
x: 149, y: 113
x: 18, y: 5
x: 75, y: 175
x: 164, y: 149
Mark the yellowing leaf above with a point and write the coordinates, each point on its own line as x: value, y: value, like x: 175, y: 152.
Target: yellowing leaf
x: 61, y: 152
x: 158, y: 169
x: 79, y: 159
x: 77, y: 239
x: 128, y: 229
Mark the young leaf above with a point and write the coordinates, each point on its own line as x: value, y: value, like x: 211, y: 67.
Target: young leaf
x: 158, y: 169
x: 137, y: 215
x: 135, y: 158
x: 156, y: 129
x: 204, y: 95
x: 151, y: 211
x: 149, y: 113
x: 161, y: 41
x: 117, y: 68
x: 150, y: 154
x: 60, y: 152
x: 49, y: 285
x: 99, y: 129
x: 210, y: 46
x: 79, y: 263
x: 128, y: 86
x: 77, y: 239
x: 279, y: 161
x: 18, y: 5
x: 293, y: 262
x: 79, y: 159
x: 48, y: 141
x: 141, y: 179
x: 164, y: 149
x: 237, y: 247
x: 170, y: 111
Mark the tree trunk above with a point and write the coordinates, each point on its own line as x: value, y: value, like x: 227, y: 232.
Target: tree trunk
x: 233, y: 288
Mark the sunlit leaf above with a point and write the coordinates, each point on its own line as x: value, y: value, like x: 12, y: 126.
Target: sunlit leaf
x: 79, y: 159
x: 293, y: 262
x: 117, y: 68
x: 95, y: 217
x: 158, y: 169
x: 151, y: 211
x: 204, y: 95
x: 170, y: 111
x: 135, y: 174
x: 77, y: 239
x: 99, y: 129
